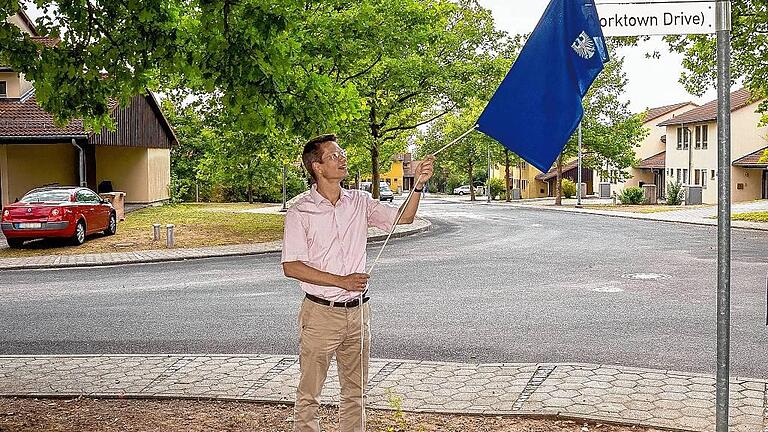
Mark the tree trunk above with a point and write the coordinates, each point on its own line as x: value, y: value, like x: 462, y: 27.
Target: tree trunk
x: 375, y: 170
x: 506, y: 177
x: 471, y: 182
x: 374, y: 152
x: 559, y: 181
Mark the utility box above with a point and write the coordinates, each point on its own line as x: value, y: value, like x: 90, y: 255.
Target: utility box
x: 605, y: 190
x: 516, y: 195
x: 649, y: 194
x: 693, y: 195
x: 118, y: 202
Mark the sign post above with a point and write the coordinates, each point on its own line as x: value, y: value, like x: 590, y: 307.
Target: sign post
x: 663, y: 17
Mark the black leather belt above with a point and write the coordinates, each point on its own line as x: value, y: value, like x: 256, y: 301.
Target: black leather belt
x: 348, y: 304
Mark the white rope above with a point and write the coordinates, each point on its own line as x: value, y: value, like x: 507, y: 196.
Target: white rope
x: 370, y: 272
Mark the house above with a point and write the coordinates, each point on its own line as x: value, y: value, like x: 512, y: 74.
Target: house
x: 134, y: 158
x: 691, y: 153
x: 651, y: 153
x: 523, y: 176
x: 570, y: 172
x: 400, y: 176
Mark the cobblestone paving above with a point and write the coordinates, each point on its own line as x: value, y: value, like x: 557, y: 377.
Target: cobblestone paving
x: 657, y: 398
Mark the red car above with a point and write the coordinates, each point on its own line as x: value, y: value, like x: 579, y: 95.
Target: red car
x: 57, y: 212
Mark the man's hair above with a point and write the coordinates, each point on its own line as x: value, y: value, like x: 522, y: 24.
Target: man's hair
x: 312, y: 152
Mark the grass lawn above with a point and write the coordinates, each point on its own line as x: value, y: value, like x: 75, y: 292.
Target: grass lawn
x: 751, y: 217
x: 196, y: 225
x: 642, y: 208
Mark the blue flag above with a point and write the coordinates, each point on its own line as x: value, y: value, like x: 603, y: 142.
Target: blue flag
x: 538, y: 105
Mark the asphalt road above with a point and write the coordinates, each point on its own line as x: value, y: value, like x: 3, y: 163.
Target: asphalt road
x: 487, y: 284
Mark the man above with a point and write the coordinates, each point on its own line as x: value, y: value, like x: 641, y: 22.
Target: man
x: 324, y: 248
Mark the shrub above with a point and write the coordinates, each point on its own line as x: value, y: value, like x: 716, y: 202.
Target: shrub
x: 632, y: 195
x: 498, y: 188
x: 674, y: 193
x: 568, y: 189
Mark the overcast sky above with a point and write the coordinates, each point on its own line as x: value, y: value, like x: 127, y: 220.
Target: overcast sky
x: 652, y: 82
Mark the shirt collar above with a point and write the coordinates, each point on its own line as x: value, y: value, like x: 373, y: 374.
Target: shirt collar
x: 318, y: 199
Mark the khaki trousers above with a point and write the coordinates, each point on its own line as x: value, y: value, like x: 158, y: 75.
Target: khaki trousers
x: 323, y: 332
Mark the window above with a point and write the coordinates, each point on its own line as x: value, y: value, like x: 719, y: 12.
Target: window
x: 686, y: 179
x: 713, y: 174
x: 525, y: 184
x: 697, y: 177
x: 703, y: 179
x: 523, y: 165
x: 698, y: 139
x: 679, y: 173
x: 704, y: 129
x: 3, y: 89
x: 683, y: 138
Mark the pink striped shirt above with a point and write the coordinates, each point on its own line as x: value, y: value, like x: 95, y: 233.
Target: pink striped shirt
x: 333, y: 238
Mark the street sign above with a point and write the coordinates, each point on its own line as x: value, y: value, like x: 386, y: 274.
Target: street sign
x: 657, y: 18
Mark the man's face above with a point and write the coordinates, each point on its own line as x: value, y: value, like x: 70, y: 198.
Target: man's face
x: 333, y: 162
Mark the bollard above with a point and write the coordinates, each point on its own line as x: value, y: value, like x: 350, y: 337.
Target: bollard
x: 155, y: 232
x: 169, y: 236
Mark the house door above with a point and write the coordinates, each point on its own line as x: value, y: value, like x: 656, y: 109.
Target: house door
x: 658, y: 180
x: 765, y: 184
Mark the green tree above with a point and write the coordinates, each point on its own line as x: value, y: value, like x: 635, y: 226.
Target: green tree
x: 447, y: 55
x: 469, y: 154
x: 749, y: 52
x: 610, y: 133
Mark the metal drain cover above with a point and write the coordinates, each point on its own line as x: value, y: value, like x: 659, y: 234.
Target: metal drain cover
x: 646, y: 276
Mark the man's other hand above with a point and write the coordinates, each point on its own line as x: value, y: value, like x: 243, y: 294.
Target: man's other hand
x: 354, y: 281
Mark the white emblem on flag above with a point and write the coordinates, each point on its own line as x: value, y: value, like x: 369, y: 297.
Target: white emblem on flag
x: 584, y: 46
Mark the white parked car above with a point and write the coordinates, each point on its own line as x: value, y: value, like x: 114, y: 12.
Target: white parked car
x: 461, y: 190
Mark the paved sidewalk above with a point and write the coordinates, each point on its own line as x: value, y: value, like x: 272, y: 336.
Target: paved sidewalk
x: 161, y: 255
x: 655, y: 398
x: 694, y: 215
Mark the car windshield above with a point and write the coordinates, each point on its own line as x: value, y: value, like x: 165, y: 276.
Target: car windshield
x: 46, y: 196
x: 384, y: 187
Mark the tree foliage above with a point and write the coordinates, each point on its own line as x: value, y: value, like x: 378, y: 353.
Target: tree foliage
x: 749, y: 52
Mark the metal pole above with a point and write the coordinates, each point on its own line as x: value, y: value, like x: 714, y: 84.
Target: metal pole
x: 578, y: 176
x: 723, y: 212
x: 488, y: 183
x: 284, y: 209
x: 169, y: 237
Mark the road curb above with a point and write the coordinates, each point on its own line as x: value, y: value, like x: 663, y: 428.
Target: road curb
x: 423, y: 226
x: 608, y: 214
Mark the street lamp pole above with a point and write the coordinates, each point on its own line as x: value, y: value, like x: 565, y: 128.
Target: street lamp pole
x: 578, y: 175
x: 284, y: 209
x: 488, y: 183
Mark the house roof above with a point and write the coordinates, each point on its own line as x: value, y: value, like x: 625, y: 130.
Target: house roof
x: 752, y: 160
x: 654, y: 162
x: 25, y: 118
x: 553, y: 171
x: 708, y: 112
x: 24, y: 17
x: 48, y: 42
x: 654, y: 113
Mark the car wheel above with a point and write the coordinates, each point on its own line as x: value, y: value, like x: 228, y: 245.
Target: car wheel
x: 461, y: 193
x: 111, y: 225
x: 15, y: 243
x: 78, y: 237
